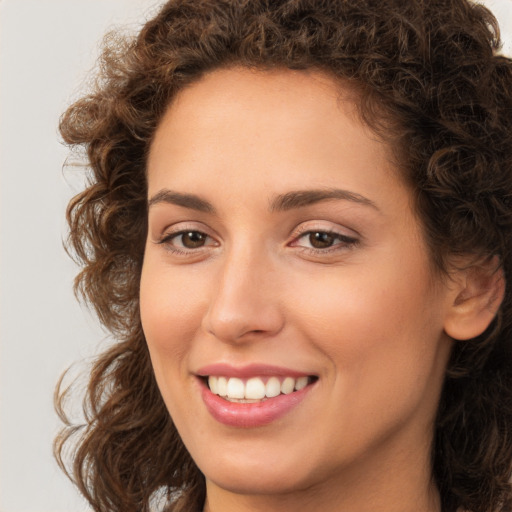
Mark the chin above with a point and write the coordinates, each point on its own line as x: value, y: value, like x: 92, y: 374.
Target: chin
x: 260, y: 476
x: 247, y: 482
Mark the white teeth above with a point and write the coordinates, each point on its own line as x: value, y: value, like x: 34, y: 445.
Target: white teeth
x: 288, y: 385
x: 273, y: 387
x: 254, y: 389
x: 236, y: 388
x: 222, y: 386
x: 301, y: 383
x: 213, y: 385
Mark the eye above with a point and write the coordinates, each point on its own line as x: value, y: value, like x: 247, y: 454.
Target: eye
x: 190, y: 239
x: 323, y: 241
x: 186, y: 240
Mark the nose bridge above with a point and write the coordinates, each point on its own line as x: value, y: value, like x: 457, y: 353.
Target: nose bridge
x: 244, y: 300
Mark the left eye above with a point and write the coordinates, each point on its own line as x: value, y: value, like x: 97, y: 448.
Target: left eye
x: 323, y: 240
x: 320, y: 240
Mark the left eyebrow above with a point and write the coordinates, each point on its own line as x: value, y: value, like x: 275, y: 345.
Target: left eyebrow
x: 301, y: 198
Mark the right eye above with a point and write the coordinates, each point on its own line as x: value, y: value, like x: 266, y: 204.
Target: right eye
x: 186, y: 240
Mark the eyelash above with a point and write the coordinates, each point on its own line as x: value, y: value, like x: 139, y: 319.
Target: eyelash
x: 344, y: 242
x: 169, y: 237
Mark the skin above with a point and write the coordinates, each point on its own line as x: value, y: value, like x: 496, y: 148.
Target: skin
x: 367, y: 317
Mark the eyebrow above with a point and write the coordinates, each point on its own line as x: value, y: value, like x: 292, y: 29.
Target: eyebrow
x: 302, y: 198
x: 282, y: 202
x: 186, y: 200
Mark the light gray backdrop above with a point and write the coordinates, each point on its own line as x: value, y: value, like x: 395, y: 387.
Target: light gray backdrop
x: 46, y: 50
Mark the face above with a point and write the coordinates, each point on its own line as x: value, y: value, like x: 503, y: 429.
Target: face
x: 293, y: 319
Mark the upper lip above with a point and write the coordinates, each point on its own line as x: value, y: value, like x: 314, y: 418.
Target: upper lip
x: 247, y: 371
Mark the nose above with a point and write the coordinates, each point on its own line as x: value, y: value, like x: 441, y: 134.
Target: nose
x: 244, y: 303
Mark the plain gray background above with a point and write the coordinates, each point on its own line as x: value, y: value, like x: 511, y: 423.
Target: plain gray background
x: 47, y: 48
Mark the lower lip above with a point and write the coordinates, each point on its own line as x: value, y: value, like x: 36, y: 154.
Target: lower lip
x: 258, y: 414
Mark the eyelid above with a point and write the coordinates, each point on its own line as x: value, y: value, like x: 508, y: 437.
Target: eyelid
x: 324, y: 227
x: 182, y: 227
x: 175, y: 230
x: 345, y: 242
x: 175, y: 234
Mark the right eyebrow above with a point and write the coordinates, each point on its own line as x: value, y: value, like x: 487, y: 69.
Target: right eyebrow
x: 177, y: 198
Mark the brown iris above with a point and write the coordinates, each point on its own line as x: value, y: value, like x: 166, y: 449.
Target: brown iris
x: 193, y: 239
x: 321, y: 239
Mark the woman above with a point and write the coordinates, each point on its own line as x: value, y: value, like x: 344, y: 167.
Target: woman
x: 297, y: 227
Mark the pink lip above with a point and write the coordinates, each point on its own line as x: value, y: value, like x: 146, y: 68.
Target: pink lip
x: 248, y: 371
x: 249, y: 415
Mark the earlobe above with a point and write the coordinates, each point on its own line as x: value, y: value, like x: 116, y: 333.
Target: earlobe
x: 478, y: 295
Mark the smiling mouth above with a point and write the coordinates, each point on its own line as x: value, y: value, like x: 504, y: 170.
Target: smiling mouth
x: 255, y: 389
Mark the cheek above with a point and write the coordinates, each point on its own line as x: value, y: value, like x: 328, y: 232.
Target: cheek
x: 384, y: 350
x: 172, y: 305
x: 372, y: 320
x: 171, y: 311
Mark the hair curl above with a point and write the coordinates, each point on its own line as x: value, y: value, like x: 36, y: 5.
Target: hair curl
x: 431, y: 68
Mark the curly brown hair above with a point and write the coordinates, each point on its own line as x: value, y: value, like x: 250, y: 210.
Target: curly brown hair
x: 428, y: 68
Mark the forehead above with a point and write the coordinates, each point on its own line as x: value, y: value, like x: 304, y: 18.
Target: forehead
x: 273, y: 115
x: 269, y: 131
x: 245, y: 85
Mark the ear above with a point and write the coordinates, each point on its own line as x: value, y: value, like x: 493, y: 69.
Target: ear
x: 479, y: 291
